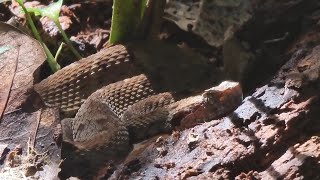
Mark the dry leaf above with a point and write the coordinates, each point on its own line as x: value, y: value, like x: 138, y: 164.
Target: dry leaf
x: 20, y: 57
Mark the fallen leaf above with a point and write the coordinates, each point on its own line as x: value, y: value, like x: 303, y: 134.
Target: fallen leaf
x: 20, y: 57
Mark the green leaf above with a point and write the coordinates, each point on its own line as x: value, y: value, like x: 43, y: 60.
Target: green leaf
x: 52, y: 11
x: 3, y: 49
x: 36, y: 11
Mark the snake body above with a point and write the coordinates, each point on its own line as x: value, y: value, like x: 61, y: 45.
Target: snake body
x: 122, y: 96
x: 71, y: 86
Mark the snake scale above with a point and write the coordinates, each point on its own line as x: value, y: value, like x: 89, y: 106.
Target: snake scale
x: 127, y: 93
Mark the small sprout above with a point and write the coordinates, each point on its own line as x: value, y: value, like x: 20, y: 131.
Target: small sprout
x: 52, y: 12
x: 59, y: 50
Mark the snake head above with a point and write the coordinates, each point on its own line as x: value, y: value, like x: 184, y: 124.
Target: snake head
x: 227, y: 91
x: 91, y: 140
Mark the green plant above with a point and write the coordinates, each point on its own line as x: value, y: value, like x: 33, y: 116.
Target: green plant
x: 52, y: 11
x: 51, y: 60
x: 127, y: 18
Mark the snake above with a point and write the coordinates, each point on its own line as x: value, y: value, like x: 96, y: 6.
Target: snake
x: 125, y: 94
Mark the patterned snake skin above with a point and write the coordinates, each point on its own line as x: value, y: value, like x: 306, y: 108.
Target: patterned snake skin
x: 121, y: 97
x: 71, y: 86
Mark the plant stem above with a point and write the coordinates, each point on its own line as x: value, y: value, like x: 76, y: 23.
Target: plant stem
x: 59, y: 51
x: 65, y: 37
x: 51, y: 61
x: 126, y: 18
